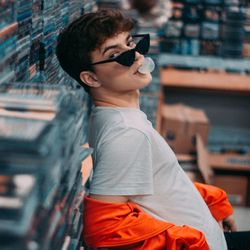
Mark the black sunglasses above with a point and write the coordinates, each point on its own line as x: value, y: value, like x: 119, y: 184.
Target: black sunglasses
x: 127, y: 58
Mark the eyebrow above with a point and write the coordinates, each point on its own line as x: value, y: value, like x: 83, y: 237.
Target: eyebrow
x: 114, y: 46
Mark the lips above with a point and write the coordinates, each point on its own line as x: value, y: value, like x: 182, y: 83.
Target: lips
x: 137, y: 68
x: 137, y: 64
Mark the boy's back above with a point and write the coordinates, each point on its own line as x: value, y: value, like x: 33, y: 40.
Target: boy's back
x: 132, y: 159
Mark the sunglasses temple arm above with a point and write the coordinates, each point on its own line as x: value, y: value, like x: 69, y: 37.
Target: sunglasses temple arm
x: 140, y: 35
x: 101, y: 62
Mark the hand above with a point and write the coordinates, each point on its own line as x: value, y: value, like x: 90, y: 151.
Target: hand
x: 228, y: 224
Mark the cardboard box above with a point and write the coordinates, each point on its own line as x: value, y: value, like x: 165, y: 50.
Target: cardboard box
x: 230, y: 172
x: 173, y: 127
x: 235, y: 186
x: 198, y: 123
x: 180, y: 124
x: 230, y: 161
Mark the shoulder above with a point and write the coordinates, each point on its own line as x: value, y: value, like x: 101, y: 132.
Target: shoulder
x: 113, y: 130
x: 119, y: 121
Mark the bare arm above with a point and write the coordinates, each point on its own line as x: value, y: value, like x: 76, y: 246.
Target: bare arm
x: 228, y: 224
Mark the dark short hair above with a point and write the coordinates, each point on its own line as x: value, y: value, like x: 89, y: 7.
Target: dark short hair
x: 84, y: 35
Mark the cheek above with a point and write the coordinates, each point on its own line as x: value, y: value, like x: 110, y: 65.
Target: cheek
x: 118, y: 78
x: 112, y: 73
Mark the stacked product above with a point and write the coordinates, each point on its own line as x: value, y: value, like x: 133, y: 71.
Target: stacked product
x: 211, y: 27
x: 233, y: 33
x: 223, y: 140
x: 24, y: 19
x: 36, y: 38
x: 56, y: 16
x: 246, y: 44
x: 75, y: 9
x: 64, y: 9
x: 181, y: 32
x: 89, y: 6
x: 48, y: 63
x: 28, y: 35
x: 41, y: 186
x: 8, y: 39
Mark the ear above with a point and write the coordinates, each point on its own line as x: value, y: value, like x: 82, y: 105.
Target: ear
x: 90, y: 79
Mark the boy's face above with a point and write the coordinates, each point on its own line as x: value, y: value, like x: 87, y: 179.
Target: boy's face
x: 113, y: 76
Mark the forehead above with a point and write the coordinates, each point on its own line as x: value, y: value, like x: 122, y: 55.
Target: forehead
x: 117, y: 39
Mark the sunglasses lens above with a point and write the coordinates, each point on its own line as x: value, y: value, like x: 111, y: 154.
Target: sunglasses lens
x: 127, y: 58
x: 143, y: 45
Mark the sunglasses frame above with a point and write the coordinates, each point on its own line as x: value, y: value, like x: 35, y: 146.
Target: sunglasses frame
x: 144, y: 36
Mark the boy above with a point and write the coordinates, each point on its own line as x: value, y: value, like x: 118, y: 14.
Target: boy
x: 139, y: 196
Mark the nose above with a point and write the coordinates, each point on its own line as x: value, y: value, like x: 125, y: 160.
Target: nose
x: 138, y: 56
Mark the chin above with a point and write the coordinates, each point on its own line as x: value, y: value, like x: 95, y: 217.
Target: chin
x: 146, y: 79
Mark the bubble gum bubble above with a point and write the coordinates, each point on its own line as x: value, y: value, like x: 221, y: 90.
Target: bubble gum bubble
x: 147, y: 66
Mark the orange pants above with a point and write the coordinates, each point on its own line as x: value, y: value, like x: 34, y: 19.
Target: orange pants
x: 127, y: 226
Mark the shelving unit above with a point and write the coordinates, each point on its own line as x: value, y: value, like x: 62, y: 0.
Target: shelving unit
x: 215, y: 28
x: 43, y: 124
x: 53, y: 175
x: 210, y: 80
x: 221, y: 87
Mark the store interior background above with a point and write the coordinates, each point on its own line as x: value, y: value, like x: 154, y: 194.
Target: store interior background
x: 199, y: 100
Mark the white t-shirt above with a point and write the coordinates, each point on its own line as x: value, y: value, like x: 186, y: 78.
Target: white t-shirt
x: 131, y: 158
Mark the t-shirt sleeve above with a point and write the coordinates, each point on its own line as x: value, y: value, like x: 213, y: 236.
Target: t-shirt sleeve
x: 123, y: 165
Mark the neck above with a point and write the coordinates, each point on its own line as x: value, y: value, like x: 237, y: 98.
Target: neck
x: 125, y: 100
